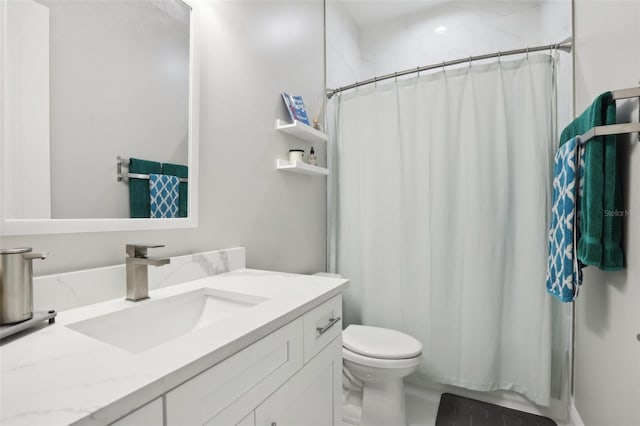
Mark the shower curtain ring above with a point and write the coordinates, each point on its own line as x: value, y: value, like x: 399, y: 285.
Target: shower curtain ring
x: 443, y: 66
x: 470, y: 62
x: 499, y: 54
x: 418, y: 71
x: 527, y: 52
x: 395, y: 75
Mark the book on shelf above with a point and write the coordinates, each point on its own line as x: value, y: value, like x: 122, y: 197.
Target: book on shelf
x: 296, y: 108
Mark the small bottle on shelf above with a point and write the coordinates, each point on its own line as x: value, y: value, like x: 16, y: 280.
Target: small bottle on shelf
x: 312, y: 157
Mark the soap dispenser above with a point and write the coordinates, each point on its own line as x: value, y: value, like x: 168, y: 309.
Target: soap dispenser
x: 16, y: 284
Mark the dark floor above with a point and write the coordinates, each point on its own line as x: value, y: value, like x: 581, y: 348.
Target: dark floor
x: 460, y: 411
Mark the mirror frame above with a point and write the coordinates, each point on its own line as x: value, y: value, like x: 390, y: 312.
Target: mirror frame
x: 10, y: 227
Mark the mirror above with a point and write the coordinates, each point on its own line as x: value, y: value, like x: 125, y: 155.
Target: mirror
x: 88, y: 82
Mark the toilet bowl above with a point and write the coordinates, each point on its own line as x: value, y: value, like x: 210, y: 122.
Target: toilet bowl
x: 379, y: 358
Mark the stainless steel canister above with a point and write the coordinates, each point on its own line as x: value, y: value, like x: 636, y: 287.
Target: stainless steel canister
x: 16, y: 284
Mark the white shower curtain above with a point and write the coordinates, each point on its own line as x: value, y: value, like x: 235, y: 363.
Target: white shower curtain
x: 442, y: 194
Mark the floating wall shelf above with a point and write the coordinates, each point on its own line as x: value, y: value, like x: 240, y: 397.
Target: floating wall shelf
x: 302, y: 131
x: 301, y: 167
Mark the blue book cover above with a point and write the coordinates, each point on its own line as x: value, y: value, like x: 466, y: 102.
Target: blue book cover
x: 295, y: 106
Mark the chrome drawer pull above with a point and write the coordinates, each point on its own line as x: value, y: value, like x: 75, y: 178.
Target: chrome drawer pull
x: 323, y: 329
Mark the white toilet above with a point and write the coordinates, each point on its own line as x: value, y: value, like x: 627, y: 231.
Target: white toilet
x: 379, y: 358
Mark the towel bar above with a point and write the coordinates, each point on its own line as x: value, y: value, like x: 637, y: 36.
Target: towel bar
x: 633, y: 92
x: 615, y: 129
x: 124, y: 162
x: 612, y: 129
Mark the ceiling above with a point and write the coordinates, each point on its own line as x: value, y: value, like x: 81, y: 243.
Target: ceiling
x: 371, y: 12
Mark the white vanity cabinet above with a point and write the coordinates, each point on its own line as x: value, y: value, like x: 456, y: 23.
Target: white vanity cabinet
x: 250, y: 347
x: 290, y: 377
x: 310, y: 398
x: 150, y: 414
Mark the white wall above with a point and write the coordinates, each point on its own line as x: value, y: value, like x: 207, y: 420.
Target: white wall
x: 343, y: 46
x: 607, y: 354
x: 251, y: 51
x: 556, y: 26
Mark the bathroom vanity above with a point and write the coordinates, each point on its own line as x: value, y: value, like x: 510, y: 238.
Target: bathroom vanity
x: 245, y: 347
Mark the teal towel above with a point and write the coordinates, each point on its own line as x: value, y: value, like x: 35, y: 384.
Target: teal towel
x: 164, y: 195
x: 139, y: 195
x: 564, y: 272
x: 183, y: 189
x: 600, y: 225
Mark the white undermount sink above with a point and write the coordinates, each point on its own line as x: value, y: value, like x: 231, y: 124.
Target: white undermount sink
x: 154, y: 322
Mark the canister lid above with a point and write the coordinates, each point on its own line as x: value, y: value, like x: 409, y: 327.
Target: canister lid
x: 15, y: 250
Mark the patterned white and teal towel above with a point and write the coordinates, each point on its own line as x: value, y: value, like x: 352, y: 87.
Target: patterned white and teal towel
x: 164, y: 192
x: 564, y: 271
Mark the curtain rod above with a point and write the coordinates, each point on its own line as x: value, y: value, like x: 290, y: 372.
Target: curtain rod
x: 563, y: 45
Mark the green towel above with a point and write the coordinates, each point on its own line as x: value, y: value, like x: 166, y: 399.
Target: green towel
x: 600, y: 226
x: 183, y: 189
x: 139, y: 196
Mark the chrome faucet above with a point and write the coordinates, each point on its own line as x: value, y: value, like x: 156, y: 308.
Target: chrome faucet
x: 137, y: 272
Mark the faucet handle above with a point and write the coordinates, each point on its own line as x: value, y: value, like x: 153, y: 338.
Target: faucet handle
x: 140, y: 250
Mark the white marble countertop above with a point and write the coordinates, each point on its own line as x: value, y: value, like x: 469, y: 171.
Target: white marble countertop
x: 56, y: 375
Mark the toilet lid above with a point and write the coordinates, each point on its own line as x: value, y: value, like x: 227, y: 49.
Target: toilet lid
x: 379, y: 342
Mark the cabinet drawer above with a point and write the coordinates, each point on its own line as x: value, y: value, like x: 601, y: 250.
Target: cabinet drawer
x: 266, y: 364
x: 321, y: 326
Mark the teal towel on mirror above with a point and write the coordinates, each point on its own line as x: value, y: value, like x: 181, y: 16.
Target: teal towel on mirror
x: 164, y: 195
x: 181, y: 172
x: 139, y: 195
x: 600, y: 226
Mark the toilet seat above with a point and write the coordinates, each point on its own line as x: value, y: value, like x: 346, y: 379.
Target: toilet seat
x: 366, y: 361
x: 380, y: 343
